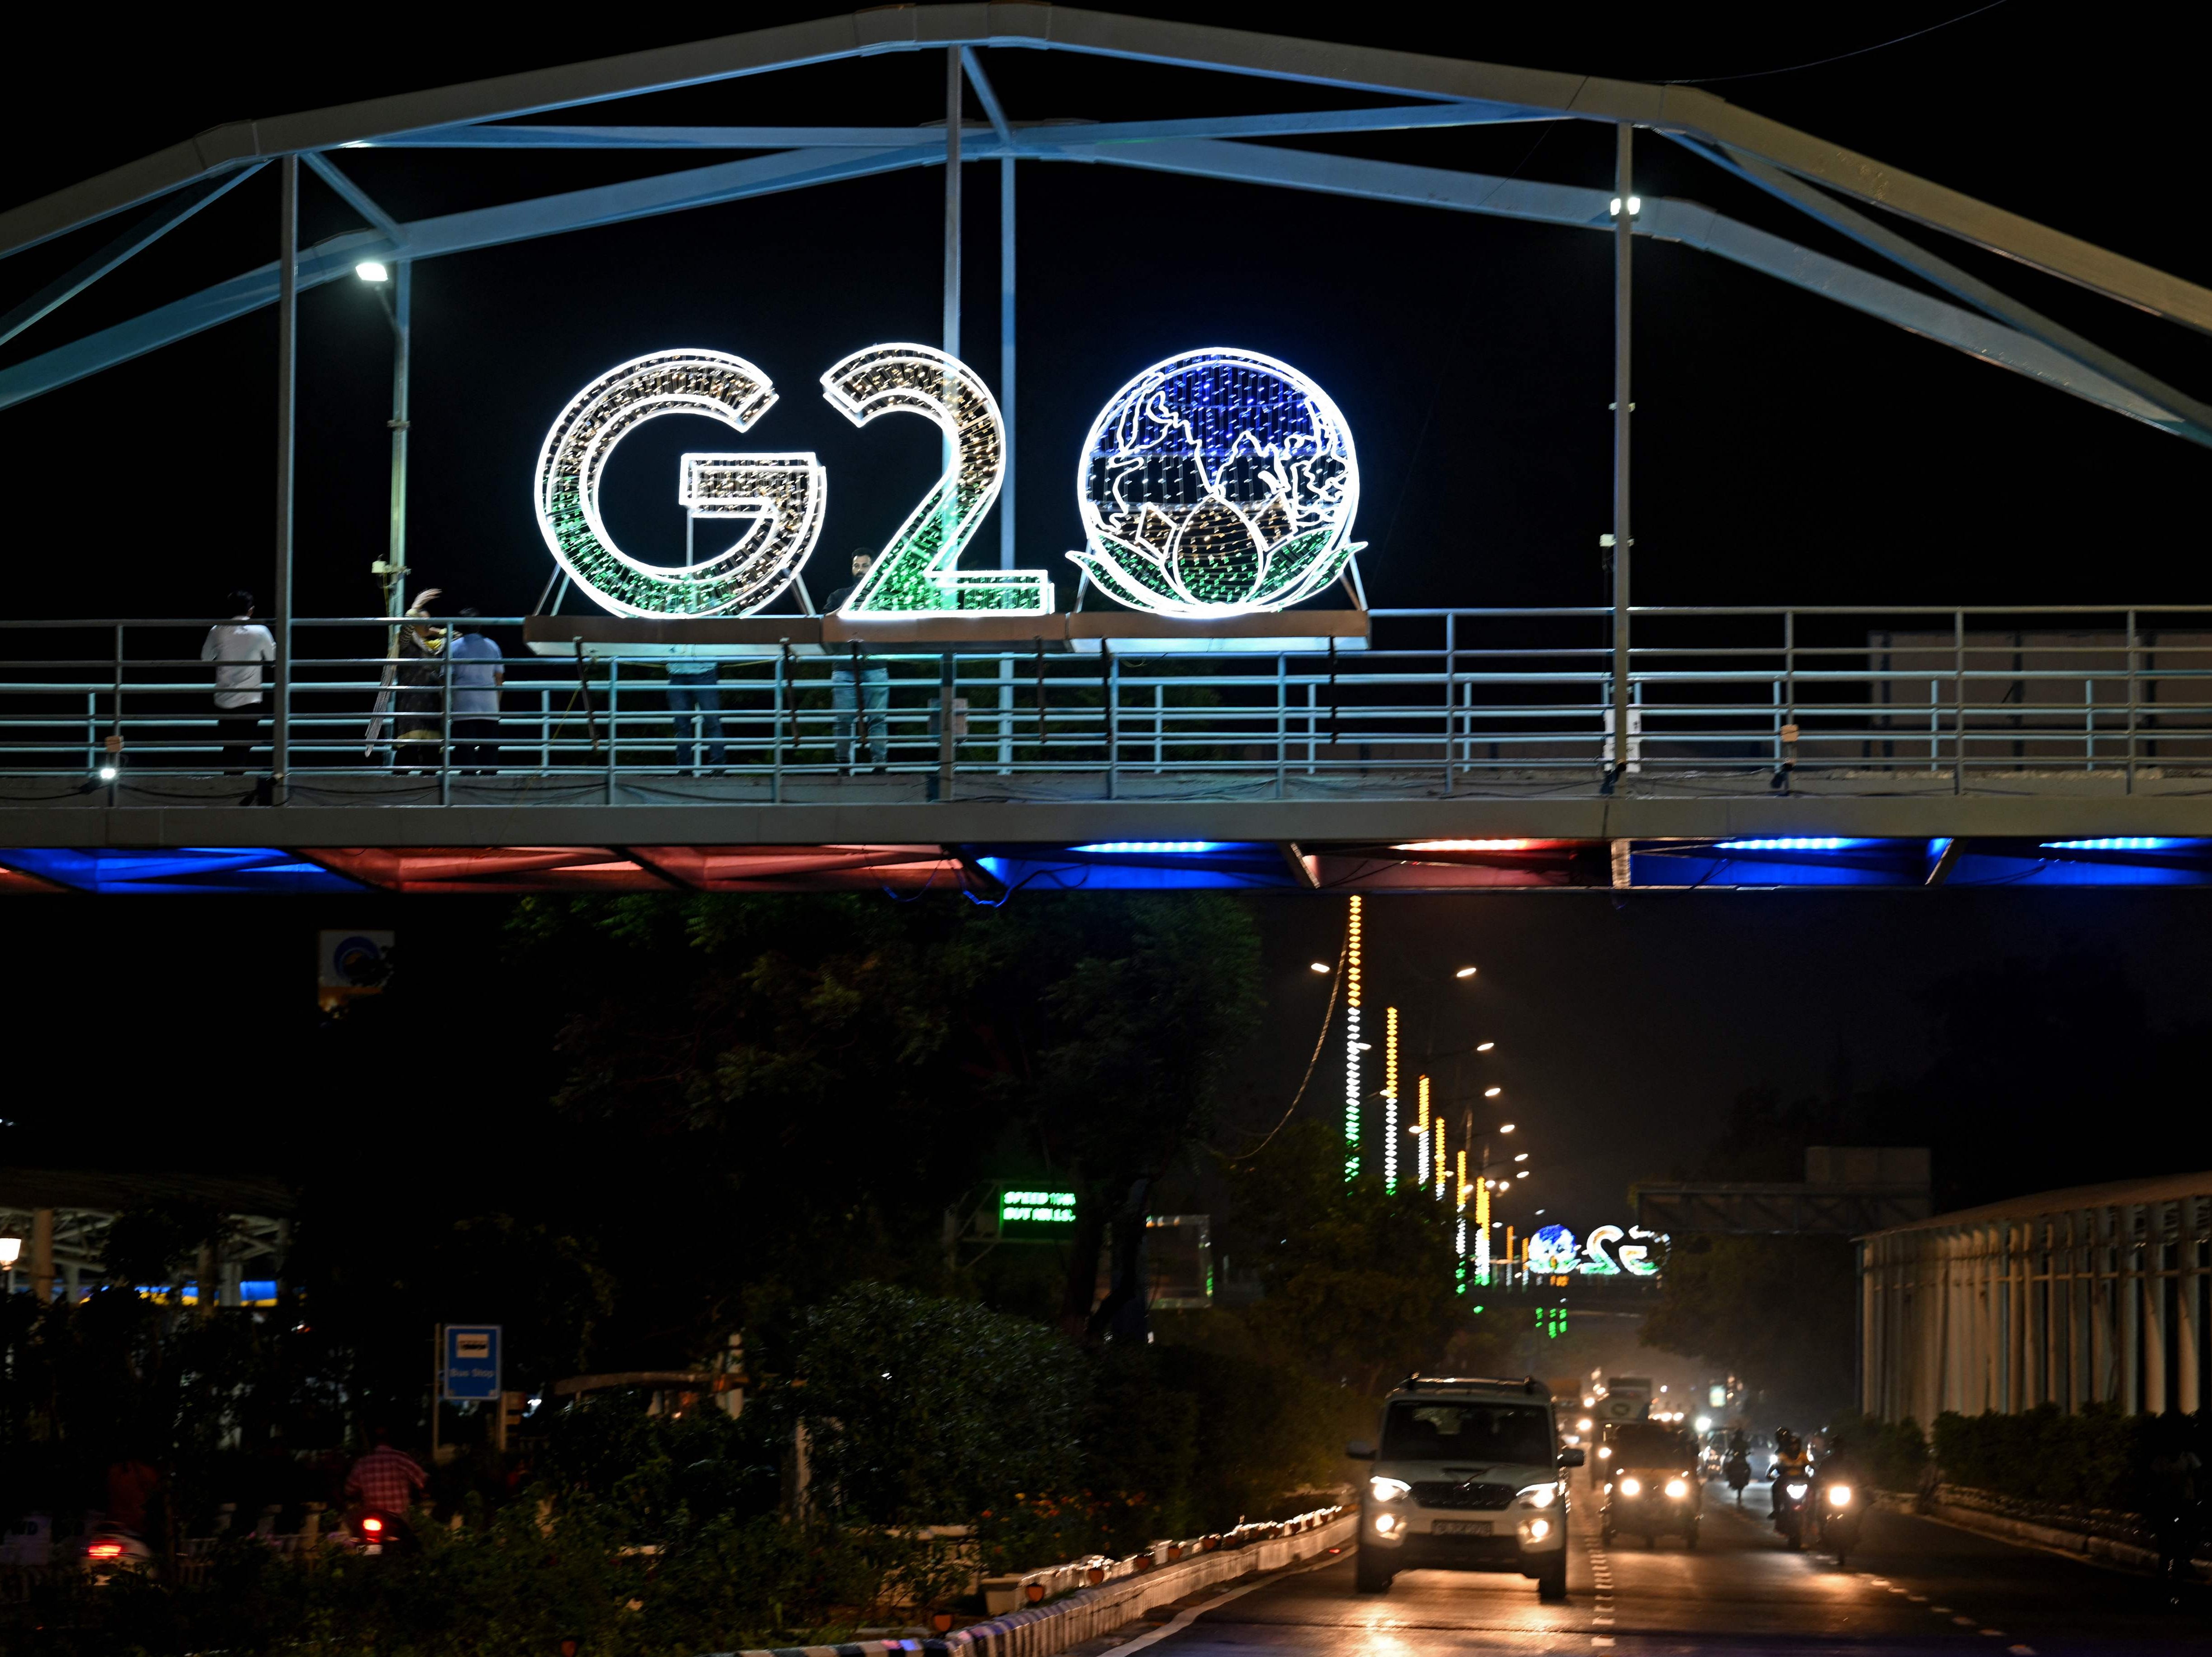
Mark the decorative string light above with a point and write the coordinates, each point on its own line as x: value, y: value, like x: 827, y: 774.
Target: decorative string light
x: 782, y: 493
x: 918, y: 572
x: 1352, y: 1043
x: 1217, y: 482
x: 1421, y: 1135
x: 1390, y: 1099
x: 1438, y: 1125
x: 1481, y: 1220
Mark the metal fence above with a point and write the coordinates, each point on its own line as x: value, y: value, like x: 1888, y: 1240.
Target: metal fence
x: 1445, y: 701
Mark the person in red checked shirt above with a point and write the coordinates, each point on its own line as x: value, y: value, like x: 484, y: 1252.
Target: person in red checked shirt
x: 386, y: 1478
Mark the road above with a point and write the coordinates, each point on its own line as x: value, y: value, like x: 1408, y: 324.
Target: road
x: 1915, y: 1587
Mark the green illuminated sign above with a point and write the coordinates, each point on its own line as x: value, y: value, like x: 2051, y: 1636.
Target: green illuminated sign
x: 1024, y: 1208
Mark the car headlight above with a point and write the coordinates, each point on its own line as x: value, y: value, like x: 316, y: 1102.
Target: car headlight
x: 1678, y: 1488
x: 1840, y: 1496
x: 1796, y: 1492
x: 1385, y: 1523
x: 1388, y: 1489
x: 1585, y: 1425
x: 1538, y: 1496
x: 1605, y: 1453
x: 1630, y: 1485
x: 1539, y: 1529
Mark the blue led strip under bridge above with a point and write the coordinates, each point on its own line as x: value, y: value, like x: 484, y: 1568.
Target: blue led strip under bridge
x: 205, y: 869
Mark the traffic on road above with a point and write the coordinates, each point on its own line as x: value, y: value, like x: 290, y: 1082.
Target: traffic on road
x: 1658, y: 1538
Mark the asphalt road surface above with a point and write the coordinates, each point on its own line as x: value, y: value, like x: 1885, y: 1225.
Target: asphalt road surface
x: 1913, y: 1586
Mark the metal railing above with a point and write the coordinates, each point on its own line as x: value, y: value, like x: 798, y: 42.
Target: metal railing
x: 1445, y: 701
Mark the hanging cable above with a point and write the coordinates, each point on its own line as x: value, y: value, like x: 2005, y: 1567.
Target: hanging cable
x: 1328, y: 1022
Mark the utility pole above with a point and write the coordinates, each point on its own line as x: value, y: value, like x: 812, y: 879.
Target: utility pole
x: 1624, y: 220
x: 288, y: 353
x: 953, y: 75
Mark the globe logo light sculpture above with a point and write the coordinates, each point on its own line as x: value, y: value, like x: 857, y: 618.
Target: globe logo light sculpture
x: 1217, y: 482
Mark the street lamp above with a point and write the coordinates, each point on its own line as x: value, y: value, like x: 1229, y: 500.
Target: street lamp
x: 1320, y: 966
x: 11, y: 1250
x: 395, y: 289
x: 1492, y: 1093
x: 1467, y: 971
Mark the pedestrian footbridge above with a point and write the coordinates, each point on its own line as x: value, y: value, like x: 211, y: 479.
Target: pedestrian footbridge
x: 1383, y: 750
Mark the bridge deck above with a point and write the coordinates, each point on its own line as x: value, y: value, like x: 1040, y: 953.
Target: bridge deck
x: 1463, y: 749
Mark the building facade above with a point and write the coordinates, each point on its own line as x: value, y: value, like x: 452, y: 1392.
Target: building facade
x: 2069, y: 1297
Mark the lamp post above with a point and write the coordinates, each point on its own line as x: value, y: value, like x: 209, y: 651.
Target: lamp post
x: 394, y: 286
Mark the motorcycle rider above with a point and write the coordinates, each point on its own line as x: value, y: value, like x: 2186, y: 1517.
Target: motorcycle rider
x: 1790, y: 1462
x: 1736, y: 1467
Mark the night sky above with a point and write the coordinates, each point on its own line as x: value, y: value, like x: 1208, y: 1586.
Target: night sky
x: 1787, y: 450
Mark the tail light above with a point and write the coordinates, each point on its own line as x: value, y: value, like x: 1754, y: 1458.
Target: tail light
x: 373, y: 1525
x: 104, y: 1550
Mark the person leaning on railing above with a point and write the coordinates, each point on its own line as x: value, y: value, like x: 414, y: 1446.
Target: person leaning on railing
x: 420, y: 714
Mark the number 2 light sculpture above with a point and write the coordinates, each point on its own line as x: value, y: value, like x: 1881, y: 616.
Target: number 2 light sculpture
x: 782, y: 494
x: 1217, y: 482
x: 919, y: 572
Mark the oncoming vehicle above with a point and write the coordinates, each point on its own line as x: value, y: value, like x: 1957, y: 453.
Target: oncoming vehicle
x: 1465, y: 1478
x: 1650, y: 1482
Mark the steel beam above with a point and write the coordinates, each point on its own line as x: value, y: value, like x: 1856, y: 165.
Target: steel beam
x: 1317, y: 825
x: 1397, y: 118
x: 143, y: 235
x: 1686, y: 110
x: 1941, y: 273
x: 455, y: 233
x: 1687, y: 223
x: 354, y: 196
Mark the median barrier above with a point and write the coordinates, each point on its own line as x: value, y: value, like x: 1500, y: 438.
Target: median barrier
x: 1085, y: 1613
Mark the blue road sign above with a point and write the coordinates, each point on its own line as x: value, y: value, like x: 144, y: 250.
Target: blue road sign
x: 471, y: 1352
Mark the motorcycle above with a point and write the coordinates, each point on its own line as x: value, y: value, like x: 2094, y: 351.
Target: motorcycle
x: 110, y: 1551
x: 372, y: 1532
x: 1737, y: 1470
x: 1842, y: 1509
x: 1790, y: 1491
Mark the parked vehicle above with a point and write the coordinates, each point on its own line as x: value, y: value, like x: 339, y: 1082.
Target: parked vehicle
x: 1651, y: 1485
x: 1466, y: 1476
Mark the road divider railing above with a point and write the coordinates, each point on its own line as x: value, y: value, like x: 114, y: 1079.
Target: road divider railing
x: 1087, y: 1598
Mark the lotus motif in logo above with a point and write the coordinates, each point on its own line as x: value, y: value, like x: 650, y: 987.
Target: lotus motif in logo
x: 1216, y: 484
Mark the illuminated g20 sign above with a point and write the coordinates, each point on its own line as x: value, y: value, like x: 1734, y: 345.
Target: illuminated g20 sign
x: 1607, y: 1252
x: 1217, y: 482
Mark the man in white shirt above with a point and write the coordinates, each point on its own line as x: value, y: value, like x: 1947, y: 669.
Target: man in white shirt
x: 238, y: 647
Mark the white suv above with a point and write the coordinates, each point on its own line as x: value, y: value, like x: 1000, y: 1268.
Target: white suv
x: 1467, y: 1476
